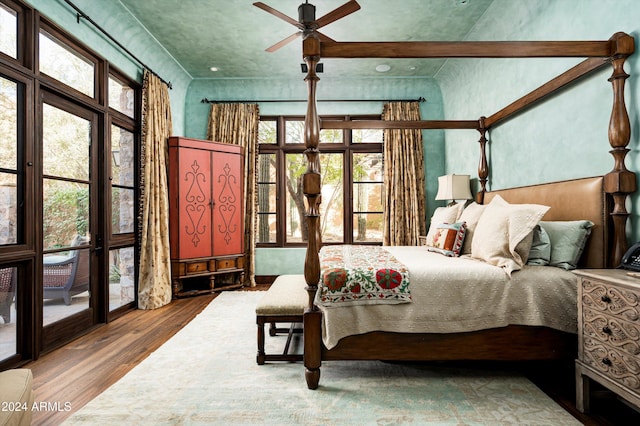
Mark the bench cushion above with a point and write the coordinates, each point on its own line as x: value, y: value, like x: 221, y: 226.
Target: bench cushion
x: 286, y: 296
x: 16, y: 387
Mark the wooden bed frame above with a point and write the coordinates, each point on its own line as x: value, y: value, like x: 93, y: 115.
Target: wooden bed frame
x: 606, y: 246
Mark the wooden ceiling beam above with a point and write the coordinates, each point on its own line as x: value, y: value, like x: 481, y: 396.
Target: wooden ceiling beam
x: 382, y: 124
x: 466, y: 49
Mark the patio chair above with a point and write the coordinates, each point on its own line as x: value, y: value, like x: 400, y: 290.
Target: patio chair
x: 66, y: 276
x: 7, y: 290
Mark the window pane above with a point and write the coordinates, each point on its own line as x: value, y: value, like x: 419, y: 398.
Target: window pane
x: 8, y: 331
x: 65, y: 65
x: 121, y: 97
x: 65, y: 212
x: 122, y: 162
x: 294, y: 132
x: 332, y: 207
x: 122, y: 216
x: 296, y: 231
x: 8, y: 209
x: 8, y: 31
x: 66, y: 141
x: 266, y: 228
x: 121, y: 277
x: 367, y: 228
x: 267, y: 132
x: 367, y: 136
x: 367, y: 197
x: 8, y: 124
x: 367, y: 167
x: 331, y: 136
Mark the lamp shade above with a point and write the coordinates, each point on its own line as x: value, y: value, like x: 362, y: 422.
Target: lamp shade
x: 453, y: 187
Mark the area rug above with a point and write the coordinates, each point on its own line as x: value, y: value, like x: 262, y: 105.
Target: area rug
x: 207, y: 374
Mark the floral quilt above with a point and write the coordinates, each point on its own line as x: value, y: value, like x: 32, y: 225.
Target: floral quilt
x: 355, y: 275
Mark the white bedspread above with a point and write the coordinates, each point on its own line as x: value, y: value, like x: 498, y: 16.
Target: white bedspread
x: 453, y: 295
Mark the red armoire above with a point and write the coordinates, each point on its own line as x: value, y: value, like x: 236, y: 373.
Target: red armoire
x: 206, y: 221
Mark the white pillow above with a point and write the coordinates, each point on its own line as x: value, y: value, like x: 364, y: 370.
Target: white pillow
x: 500, y: 230
x: 442, y: 215
x: 471, y: 214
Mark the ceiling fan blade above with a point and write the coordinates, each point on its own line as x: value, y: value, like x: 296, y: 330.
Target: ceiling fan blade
x: 281, y: 43
x: 325, y: 37
x: 280, y: 15
x: 338, y: 13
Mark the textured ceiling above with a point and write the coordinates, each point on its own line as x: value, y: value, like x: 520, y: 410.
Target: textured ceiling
x: 232, y: 35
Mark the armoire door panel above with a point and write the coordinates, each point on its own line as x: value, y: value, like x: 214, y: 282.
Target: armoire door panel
x: 228, y: 235
x: 194, y: 221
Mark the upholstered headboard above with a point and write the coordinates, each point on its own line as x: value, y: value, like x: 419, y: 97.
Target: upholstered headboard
x: 578, y: 199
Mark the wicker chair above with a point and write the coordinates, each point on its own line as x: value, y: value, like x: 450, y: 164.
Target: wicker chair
x: 7, y: 290
x: 66, y: 276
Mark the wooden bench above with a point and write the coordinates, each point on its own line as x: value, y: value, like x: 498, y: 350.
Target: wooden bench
x: 284, y: 302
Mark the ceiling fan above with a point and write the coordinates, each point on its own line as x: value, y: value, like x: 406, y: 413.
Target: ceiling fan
x: 307, y: 19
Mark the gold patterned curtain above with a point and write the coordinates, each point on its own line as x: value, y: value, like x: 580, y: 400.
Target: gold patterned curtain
x: 404, y: 201
x: 237, y: 124
x: 154, y: 288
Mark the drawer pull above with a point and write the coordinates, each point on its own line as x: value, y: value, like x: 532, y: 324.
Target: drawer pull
x: 606, y: 299
x: 607, y: 361
x: 607, y: 330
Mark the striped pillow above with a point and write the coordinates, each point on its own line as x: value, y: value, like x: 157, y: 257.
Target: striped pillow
x: 448, y: 239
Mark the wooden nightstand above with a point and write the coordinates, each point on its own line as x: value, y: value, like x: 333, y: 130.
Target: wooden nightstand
x: 608, y: 334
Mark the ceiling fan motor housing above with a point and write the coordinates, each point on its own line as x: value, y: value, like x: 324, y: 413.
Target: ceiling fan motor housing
x: 306, y: 13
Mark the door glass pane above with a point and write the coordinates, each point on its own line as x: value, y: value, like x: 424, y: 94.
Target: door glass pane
x: 66, y: 204
x: 122, y: 216
x: 9, y: 204
x: 121, y: 97
x: 267, y: 198
x: 296, y: 230
x: 65, y: 144
x: 8, y: 315
x: 8, y: 31
x: 121, y: 277
x: 63, y: 64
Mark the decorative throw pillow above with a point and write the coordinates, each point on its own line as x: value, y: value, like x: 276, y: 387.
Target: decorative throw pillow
x: 448, y: 239
x: 500, y: 230
x: 540, y: 252
x: 471, y: 214
x: 443, y: 215
x: 568, y: 239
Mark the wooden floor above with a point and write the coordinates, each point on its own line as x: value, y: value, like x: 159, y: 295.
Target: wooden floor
x: 76, y: 373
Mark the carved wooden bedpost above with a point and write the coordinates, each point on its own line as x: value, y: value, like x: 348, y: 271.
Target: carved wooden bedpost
x: 619, y: 182
x: 483, y: 167
x: 312, y: 191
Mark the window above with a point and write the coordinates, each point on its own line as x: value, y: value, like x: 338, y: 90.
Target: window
x: 8, y: 32
x: 351, y: 172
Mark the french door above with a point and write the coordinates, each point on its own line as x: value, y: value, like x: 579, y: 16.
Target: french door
x: 70, y: 236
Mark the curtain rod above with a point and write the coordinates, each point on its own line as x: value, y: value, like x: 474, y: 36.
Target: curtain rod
x: 81, y: 14
x: 210, y: 101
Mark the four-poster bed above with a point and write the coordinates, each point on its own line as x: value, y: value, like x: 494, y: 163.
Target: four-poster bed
x: 606, y: 208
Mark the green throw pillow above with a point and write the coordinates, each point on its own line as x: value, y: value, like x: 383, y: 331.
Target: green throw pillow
x: 568, y: 239
x: 540, y: 253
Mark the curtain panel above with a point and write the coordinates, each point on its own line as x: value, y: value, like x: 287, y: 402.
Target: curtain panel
x: 237, y: 124
x: 404, y: 177
x: 154, y: 289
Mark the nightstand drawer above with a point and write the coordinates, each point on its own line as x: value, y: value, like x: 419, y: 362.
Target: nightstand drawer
x: 618, y: 334
x: 614, y: 364
x: 196, y: 267
x: 603, y: 297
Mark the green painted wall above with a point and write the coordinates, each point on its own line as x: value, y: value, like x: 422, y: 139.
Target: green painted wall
x: 123, y: 27
x: 288, y: 261
x: 563, y: 138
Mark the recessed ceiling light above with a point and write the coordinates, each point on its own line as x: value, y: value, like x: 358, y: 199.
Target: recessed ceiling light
x: 214, y: 69
x: 412, y: 68
x: 383, y: 68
